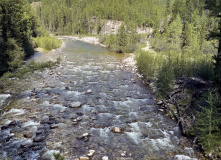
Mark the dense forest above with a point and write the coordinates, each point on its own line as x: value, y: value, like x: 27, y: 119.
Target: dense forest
x: 81, y: 17
x: 186, y: 38
x: 18, y: 26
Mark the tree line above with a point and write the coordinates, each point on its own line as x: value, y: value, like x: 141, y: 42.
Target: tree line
x: 17, y: 24
x: 82, y: 17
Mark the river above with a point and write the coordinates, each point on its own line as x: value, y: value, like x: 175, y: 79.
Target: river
x: 74, y: 107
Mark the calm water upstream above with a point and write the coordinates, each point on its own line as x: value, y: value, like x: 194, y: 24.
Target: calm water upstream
x: 41, y: 114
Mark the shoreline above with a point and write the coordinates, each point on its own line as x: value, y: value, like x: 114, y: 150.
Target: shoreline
x: 87, y: 39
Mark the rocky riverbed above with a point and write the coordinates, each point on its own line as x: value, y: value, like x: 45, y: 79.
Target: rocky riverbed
x: 91, y: 106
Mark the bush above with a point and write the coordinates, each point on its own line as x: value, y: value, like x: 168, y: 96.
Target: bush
x: 148, y: 64
x: 47, y: 42
x: 165, y: 79
x: 159, y: 44
x: 165, y: 65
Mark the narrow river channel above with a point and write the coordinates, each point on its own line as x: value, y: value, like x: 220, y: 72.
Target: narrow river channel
x: 90, y: 92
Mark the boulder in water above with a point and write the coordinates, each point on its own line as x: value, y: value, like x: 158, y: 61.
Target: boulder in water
x: 53, y: 126
x: 39, y: 139
x: 27, y: 135
x: 84, y: 158
x: 75, y: 105
x: 89, y: 91
x: 105, y: 158
x: 91, y: 153
x: 117, y: 130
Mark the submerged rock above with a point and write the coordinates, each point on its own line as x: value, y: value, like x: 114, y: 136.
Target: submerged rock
x: 75, y: 104
x: 39, y: 138
x: 89, y: 91
x: 123, y: 154
x: 117, y: 130
x: 91, y: 153
x: 53, y: 126
x: 105, y: 158
x: 27, y: 135
x: 84, y: 158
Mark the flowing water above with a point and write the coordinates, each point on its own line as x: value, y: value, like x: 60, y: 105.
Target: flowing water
x: 37, y: 119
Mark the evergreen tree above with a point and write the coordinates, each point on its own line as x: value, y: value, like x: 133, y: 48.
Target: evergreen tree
x: 17, y: 25
x: 174, y: 33
x: 208, y: 123
x: 215, y: 7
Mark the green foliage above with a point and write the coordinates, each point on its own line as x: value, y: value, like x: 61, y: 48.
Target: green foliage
x: 58, y: 156
x: 85, y: 17
x: 165, y: 78
x: 174, y: 33
x: 148, y: 63
x: 208, y: 125
x: 217, y: 79
x: 181, y: 65
x: 47, y: 42
x: 125, y: 41
x: 16, y: 28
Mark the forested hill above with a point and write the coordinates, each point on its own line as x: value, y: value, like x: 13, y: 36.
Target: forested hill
x: 78, y: 17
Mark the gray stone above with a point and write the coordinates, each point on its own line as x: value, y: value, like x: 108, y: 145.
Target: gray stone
x: 105, y: 158
x: 39, y: 139
x: 84, y: 158
x: 75, y: 105
x: 53, y: 126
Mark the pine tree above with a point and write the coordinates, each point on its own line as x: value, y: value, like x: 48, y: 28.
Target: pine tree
x: 174, y: 33
x: 208, y: 123
x: 215, y: 7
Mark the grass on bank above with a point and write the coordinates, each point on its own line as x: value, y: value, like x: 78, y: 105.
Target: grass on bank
x: 30, y: 67
x: 47, y: 42
x: 183, y: 65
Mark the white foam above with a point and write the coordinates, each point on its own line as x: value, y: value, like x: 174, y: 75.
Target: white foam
x: 21, y: 141
x: 58, y: 106
x: 6, y: 122
x: 30, y: 123
x: 148, y: 124
x: 86, y: 108
x: 46, y: 103
x: 74, y: 93
x: 15, y: 112
x: 133, y: 114
x: 104, y: 133
x: 3, y: 98
x: 135, y: 126
x: 183, y: 157
x: 135, y: 136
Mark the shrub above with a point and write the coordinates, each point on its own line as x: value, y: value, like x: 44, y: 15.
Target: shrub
x: 165, y: 78
x: 166, y: 65
x: 47, y: 42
